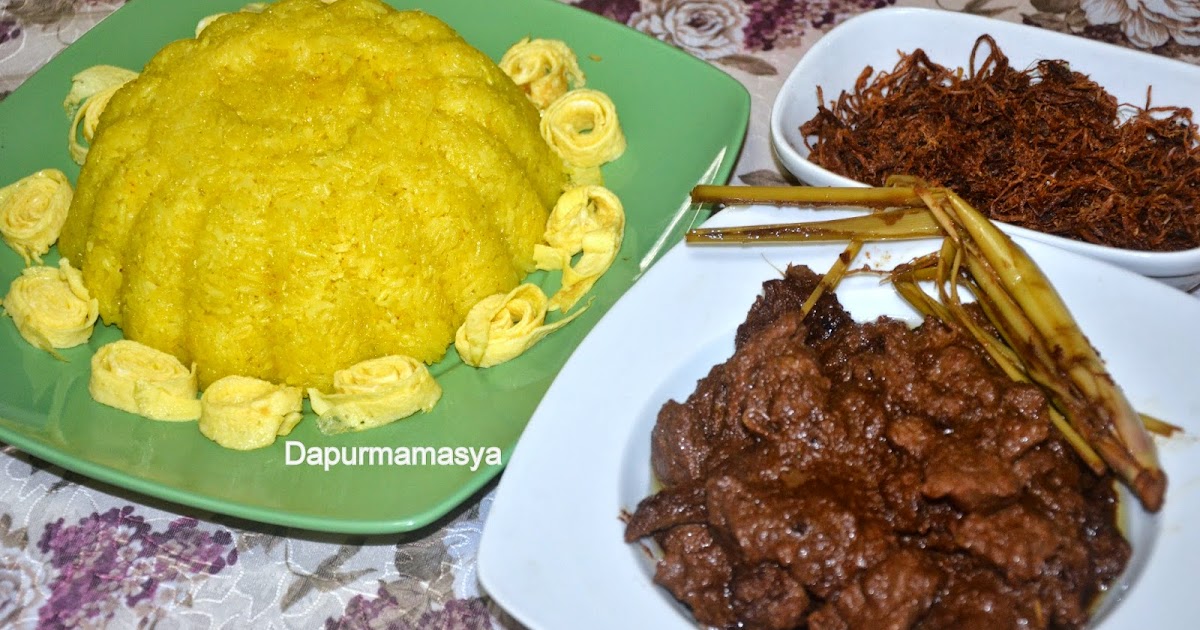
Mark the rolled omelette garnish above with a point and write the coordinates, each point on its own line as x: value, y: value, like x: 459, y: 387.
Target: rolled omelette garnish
x: 244, y: 413
x: 32, y: 212
x: 139, y: 379
x: 206, y: 20
x: 90, y: 92
x: 544, y: 69
x: 253, y: 7
x: 584, y: 176
x: 51, y: 307
x: 582, y: 127
x: 373, y: 393
x: 588, y: 219
x: 502, y: 326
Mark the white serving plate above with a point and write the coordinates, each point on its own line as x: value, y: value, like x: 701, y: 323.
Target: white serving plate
x: 877, y: 38
x: 552, y: 552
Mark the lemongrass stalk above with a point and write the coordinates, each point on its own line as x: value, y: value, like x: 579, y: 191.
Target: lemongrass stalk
x: 1159, y: 427
x: 831, y: 278
x: 1051, y: 316
x: 1037, y: 300
x: 1010, y: 362
x: 949, y: 262
x: 906, y: 285
x: 1011, y: 320
x: 1036, y: 360
x: 886, y: 225
x: 920, y: 268
x: 953, y: 313
x: 895, y: 197
x: 905, y: 181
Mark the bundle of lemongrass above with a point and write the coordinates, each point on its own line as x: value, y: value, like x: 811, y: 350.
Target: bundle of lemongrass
x: 1039, y: 341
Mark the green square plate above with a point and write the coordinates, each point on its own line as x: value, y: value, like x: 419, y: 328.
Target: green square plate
x: 685, y: 122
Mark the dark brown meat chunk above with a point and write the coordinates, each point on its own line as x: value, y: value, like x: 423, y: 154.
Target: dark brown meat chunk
x: 890, y: 595
x: 697, y: 570
x: 769, y: 597
x: 787, y: 295
x: 970, y: 479
x: 840, y: 475
x: 675, y: 505
x: 816, y: 530
x: 698, y: 434
x: 1016, y: 540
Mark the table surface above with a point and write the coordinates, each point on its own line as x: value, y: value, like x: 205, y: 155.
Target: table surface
x: 78, y: 553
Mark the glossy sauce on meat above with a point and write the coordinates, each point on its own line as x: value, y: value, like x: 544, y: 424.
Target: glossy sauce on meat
x: 837, y: 475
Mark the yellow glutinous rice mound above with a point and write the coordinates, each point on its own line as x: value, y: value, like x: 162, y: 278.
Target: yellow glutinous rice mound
x: 306, y: 188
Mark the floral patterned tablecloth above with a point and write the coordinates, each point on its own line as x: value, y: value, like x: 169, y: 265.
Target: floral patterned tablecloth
x: 76, y: 553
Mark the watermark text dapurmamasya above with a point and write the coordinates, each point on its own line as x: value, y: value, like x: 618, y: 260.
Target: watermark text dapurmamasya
x: 297, y: 453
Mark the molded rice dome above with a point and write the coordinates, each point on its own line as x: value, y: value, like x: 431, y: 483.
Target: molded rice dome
x: 298, y: 190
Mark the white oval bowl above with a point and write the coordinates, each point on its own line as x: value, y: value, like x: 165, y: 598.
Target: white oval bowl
x: 553, y: 552
x: 877, y: 38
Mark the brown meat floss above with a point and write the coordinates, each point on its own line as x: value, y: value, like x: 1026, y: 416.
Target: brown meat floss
x: 1045, y: 148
